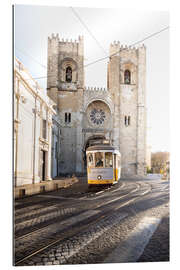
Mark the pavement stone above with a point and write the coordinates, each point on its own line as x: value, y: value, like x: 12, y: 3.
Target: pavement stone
x: 157, y: 249
x: 95, y: 243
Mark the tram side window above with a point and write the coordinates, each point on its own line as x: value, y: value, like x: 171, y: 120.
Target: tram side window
x: 99, y: 161
x: 108, y: 159
x: 90, y: 160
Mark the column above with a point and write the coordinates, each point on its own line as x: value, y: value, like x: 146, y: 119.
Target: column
x: 48, y: 156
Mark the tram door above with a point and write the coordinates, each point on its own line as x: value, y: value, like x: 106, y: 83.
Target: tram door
x: 42, y: 165
x: 115, y: 167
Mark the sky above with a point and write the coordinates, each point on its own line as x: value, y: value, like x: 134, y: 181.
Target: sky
x: 33, y: 25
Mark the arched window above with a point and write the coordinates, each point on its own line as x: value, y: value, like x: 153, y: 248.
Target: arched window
x: 68, y: 74
x: 127, y: 76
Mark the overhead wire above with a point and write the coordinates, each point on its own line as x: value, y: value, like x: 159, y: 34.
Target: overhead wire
x: 25, y: 53
x: 133, y: 44
x: 109, y: 56
x: 83, y: 23
x: 76, y: 14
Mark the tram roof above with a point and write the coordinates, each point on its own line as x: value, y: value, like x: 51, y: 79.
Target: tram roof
x: 101, y: 147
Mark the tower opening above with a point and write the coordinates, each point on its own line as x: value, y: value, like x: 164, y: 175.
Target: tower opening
x: 68, y: 74
x: 127, y: 77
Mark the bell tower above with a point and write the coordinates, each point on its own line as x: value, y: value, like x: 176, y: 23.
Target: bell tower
x: 126, y: 82
x: 65, y: 86
x: 65, y: 65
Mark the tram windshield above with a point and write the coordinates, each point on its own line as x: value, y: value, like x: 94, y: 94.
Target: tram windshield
x: 99, y: 159
x: 108, y: 159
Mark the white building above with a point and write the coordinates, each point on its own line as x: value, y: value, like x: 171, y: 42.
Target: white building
x: 33, y: 111
x: 55, y: 153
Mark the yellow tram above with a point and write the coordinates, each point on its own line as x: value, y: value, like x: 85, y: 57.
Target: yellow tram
x: 103, y: 164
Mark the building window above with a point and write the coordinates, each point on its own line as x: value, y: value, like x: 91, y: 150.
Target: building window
x: 68, y: 74
x: 44, y: 129
x: 67, y: 118
x: 127, y: 76
x: 127, y: 120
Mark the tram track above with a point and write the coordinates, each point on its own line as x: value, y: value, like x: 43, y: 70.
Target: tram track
x: 35, y: 213
x: 26, y: 211
x: 61, y: 235
x: 135, y: 198
x: 130, y: 200
x: 108, y: 192
x: 65, y: 234
x: 60, y: 213
x: 36, y: 210
x: 41, y: 213
x: 21, y: 209
x: 67, y: 212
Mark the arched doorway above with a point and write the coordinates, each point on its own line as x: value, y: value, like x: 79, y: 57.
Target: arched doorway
x: 92, y: 140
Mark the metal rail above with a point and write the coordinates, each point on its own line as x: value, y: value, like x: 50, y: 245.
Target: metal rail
x: 73, y: 231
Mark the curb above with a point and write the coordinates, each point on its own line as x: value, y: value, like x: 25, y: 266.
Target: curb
x: 45, y: 186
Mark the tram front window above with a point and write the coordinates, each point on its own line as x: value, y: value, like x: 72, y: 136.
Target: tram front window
x: 90, y: 160
x: 99, y: 161
x: 108, y: 160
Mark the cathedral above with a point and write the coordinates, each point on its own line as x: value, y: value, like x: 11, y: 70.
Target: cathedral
x: 84, y: 115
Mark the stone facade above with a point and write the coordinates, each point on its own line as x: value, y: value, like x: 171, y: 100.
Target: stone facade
x: 148, y: 158
x: 117, y: 113
x: 33, y: 112
x: 55, y: 153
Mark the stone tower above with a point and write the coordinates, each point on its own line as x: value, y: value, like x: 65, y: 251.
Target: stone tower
x: 126, y: 83
x: 65, y: 86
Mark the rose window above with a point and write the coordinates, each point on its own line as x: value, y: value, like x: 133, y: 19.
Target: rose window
x: 97, y: 116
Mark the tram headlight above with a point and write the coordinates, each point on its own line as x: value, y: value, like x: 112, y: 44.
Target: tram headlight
x: 99, y: 177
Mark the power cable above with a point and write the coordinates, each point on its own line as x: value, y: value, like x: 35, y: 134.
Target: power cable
x: 103, y: 58
x: 25, y: 53
x: 76, y: 14
x: 133, y: 44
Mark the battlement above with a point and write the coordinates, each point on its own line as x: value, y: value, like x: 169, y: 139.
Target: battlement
x: 62, y: 40
x: 69, y: 46
x: 116, y: 47
x: 95, y: 89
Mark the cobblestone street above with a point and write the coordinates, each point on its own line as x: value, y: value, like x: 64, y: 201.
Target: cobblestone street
x: 128, y: 222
